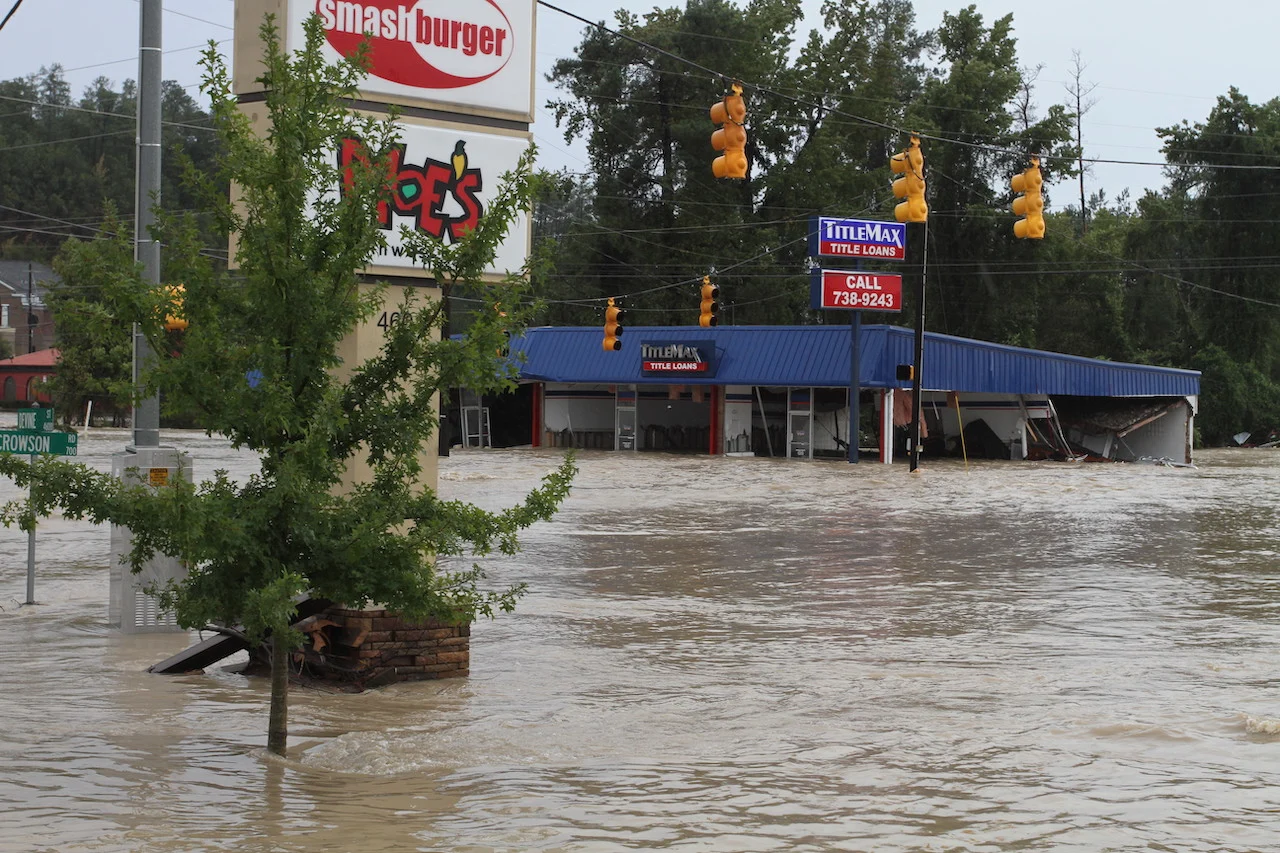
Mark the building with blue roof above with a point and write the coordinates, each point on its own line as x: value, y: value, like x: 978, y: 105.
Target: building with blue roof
x: 784, y: 391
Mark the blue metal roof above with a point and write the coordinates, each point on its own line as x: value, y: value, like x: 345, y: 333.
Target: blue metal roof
x: 819, y: 356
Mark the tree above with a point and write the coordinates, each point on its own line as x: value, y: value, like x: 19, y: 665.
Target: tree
x: 95, y: 350
x: 66, y: 160
x: 977, y: 110
x: 260, y: 360
x: 1223, y: 177
x: 658, y: 220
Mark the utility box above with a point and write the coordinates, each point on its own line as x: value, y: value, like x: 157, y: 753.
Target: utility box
x: 131, y: 609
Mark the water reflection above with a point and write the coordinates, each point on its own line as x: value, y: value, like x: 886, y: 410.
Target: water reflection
x: 723, y: 654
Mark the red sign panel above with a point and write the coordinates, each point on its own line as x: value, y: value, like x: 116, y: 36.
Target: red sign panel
x: 675, y: 366
x: 834, y: 248
x: 861, y: 291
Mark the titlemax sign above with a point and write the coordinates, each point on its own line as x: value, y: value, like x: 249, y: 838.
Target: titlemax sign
x: 670, y: 352
x: 675, y: 358
x: 858, y: 238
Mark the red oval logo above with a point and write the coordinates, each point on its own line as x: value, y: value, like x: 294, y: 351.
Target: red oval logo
x: 427, y: 44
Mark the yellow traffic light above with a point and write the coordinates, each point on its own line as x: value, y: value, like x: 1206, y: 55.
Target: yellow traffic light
x: 505, y: 349
x: 910, y: 165
x: 709, y: 307
x: 612, y: 326
x: 1030, y: 204
x: 175, y: 322
x: 731, y: 138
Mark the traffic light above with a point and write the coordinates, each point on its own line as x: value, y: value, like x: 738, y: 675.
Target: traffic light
x: 731, y: 138
x: 910, y: 165
x: 612, y: 326
x: 1030, y: 203
x: 709, y: 307
x: 175, y: 322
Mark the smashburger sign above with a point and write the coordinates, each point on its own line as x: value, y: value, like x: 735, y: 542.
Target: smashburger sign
x: 464, y: 54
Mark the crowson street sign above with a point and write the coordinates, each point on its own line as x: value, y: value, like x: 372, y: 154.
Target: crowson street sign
x: 43, y: 443
x: 35, y: 435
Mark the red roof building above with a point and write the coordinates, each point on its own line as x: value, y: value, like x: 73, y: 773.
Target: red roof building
x: 22, y: 378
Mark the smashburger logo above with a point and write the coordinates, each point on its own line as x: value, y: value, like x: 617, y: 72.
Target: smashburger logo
x: 428, y: 44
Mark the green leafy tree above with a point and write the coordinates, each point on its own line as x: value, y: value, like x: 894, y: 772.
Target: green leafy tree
x: 66, y: 159
x: 1222, y: 223
x: 980, y: 107
x: 658, y: 220
x: 95, y: 350
x: 261, y: 361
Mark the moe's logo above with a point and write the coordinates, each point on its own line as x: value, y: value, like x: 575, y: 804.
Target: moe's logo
x: 440, y: 196
x: 427, y: 44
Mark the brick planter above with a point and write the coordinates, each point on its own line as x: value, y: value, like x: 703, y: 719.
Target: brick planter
x: 371, y: 648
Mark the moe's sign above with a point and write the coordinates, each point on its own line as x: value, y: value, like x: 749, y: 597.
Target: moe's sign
x: 466, y: 54
x: 442, y: 181
x: 678, y: 358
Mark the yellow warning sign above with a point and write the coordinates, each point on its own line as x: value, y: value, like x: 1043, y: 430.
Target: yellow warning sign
x: 158, y: 476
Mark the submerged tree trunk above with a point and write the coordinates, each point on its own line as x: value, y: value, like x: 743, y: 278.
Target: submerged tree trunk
x: 278, y: 727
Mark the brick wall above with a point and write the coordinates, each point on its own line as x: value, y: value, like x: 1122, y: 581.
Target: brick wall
x: 371, y: 648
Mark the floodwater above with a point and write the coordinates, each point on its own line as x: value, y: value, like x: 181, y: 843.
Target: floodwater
x: 721, y: 655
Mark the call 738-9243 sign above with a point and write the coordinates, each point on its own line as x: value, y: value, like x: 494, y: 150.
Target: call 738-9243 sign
x: 856, y: 290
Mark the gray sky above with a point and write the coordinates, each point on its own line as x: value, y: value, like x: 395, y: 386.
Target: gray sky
x: 1154, y: 63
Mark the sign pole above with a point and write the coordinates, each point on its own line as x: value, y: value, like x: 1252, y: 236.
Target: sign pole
x: 855, y: 415
x: 31, y: 545
x: 146, y: 412
x: 917, y: 234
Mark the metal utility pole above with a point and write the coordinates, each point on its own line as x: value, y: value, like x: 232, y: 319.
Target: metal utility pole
x: 146, y: 413
x: 31, y: 310
x: 132, y: 607
x: 917, y: 248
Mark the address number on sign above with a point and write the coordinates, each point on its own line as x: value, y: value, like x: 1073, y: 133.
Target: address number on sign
x: 388, y: 319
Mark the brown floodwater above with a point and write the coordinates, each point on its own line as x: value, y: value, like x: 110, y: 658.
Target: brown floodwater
x: 715, y: 654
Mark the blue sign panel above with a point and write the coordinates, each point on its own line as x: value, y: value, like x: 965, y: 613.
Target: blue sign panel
x: 857, y: 238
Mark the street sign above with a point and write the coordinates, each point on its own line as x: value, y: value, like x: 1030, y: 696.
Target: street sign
x: 857, y: 238
x: 39, y: 420
x: 48, y: 443
x: 855, y: 290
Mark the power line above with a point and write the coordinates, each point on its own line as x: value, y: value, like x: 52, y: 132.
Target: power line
x: 76, y: 109
x: 66, y: 139
x: 194, y: 18
x: 10, y: 15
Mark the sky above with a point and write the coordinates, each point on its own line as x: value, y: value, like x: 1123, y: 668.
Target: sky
x: 1152, y: 63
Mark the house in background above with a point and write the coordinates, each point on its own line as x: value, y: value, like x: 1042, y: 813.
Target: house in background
x: 25, y: 320
x: 23, y: 377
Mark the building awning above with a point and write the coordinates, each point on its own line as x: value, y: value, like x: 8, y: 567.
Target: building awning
x: 818, y: 356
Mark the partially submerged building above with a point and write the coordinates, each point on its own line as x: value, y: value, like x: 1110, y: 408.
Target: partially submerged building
x: 784, y: 391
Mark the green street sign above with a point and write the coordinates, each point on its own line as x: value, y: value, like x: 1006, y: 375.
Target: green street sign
x: 40, y: 420
x: 48, y: 443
